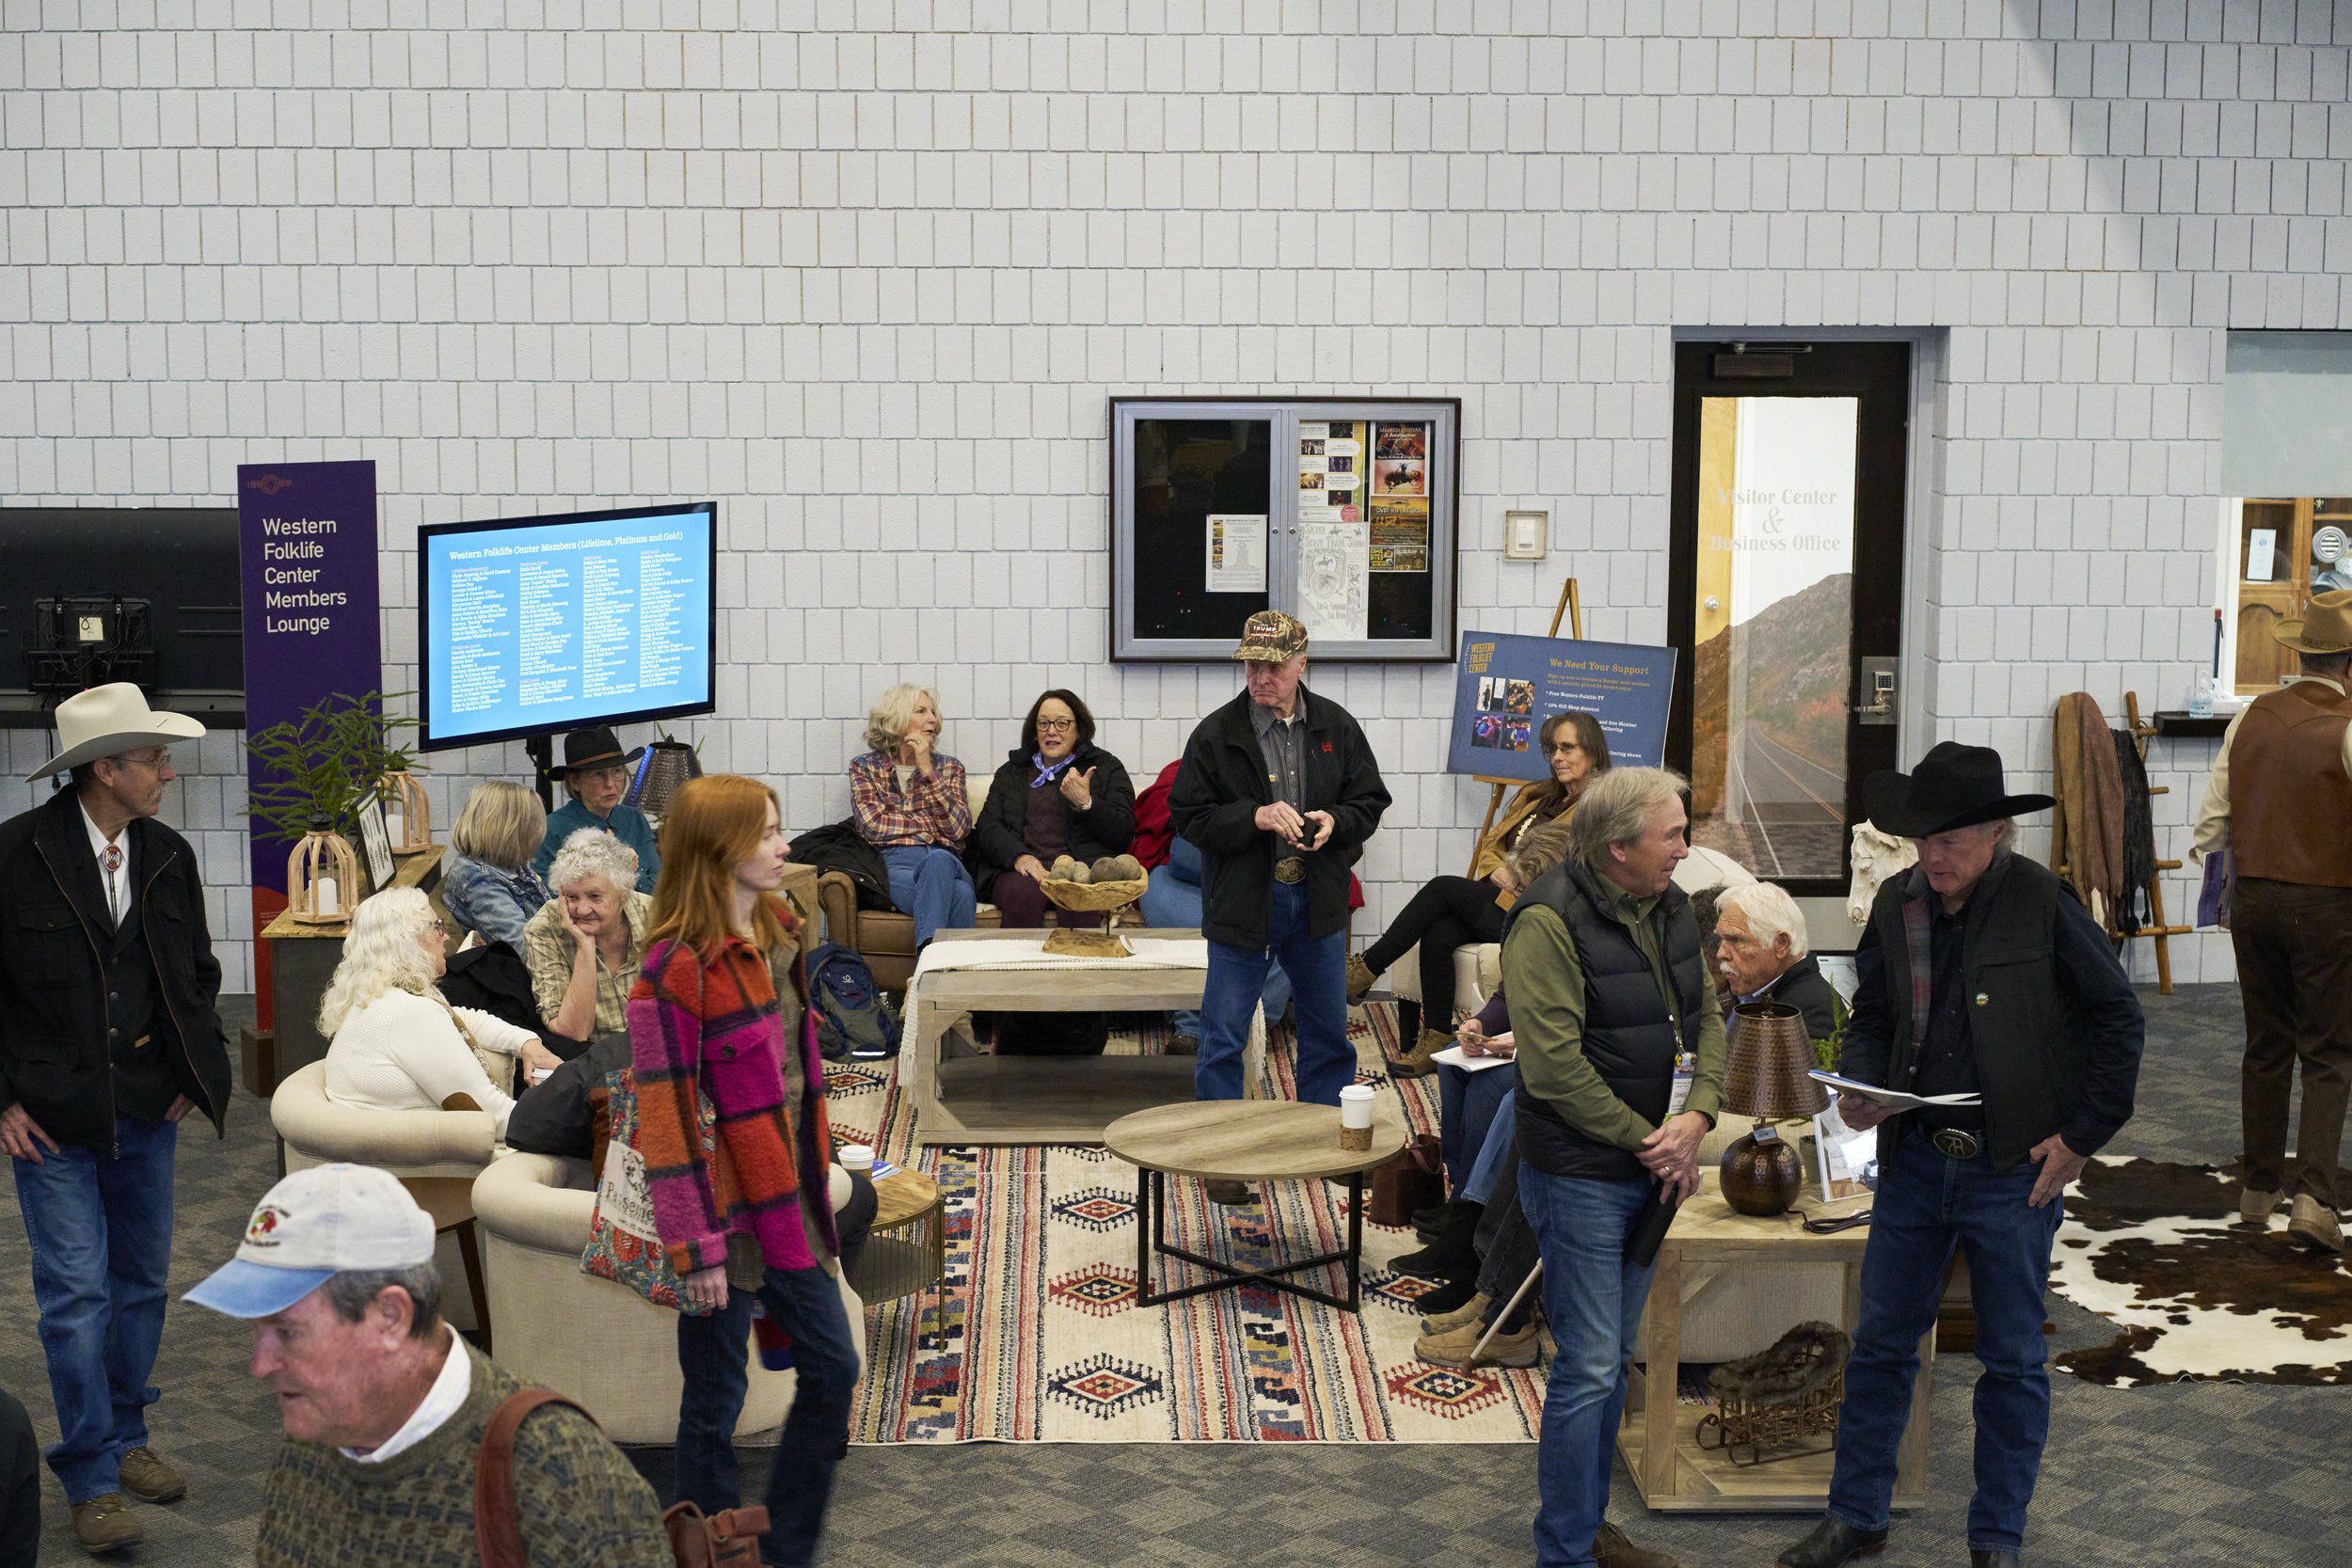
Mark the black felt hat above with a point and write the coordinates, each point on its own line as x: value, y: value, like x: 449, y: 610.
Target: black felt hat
x: 595, y: 747
x: 1953, y: 786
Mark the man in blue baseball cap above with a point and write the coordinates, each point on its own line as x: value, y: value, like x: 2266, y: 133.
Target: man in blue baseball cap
x: 385, y: 1407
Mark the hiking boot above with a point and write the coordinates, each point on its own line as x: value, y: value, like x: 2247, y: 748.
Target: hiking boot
x: 1231, y: 1193
x: 106, y: 1524
x: 1361, y: 979
x: 1452, y: 1348
x: 2255, y: 1207
x: 1611, y: 1549
x: 150, y: 1479
x: 1470, y: 1311
x: 1420, y: 1061
x: 2314, y: 1225
x: 1184, y: 1045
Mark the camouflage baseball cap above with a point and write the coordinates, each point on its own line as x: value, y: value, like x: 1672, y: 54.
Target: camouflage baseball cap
x: 1272, y: 638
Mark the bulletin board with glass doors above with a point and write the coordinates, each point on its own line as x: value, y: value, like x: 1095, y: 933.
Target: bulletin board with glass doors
x: 1340, y: 512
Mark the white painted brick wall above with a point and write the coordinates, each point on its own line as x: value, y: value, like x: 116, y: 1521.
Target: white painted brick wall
x: 868, y: 276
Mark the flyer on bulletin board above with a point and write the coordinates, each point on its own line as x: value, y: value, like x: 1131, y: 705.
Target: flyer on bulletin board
x: 1505, y: 686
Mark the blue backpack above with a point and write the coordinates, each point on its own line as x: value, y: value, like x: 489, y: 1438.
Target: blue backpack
x: 854, y: 1021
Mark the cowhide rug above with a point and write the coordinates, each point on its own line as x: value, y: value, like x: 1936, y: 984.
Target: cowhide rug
x: 2157, y: 1248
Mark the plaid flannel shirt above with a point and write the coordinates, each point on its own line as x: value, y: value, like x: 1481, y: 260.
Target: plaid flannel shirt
x: 937, y: 810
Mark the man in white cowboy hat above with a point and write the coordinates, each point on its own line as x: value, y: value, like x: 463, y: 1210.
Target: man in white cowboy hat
x: 385, y: 1407
x: 1979, y: 975
x: 2281, y: 802
x: 107, y: 1037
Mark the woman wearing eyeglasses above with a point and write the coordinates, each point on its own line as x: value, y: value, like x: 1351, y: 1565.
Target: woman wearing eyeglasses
x: 1458, y: 912
x: 1057, y: 794
x: 394, y: 1043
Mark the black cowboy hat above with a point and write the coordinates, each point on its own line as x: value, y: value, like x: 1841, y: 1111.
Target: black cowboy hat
x: 1954, y: 786
x: 593, y: 747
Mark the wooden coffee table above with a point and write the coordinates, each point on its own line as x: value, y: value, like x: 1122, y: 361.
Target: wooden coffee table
x: 906, y: 1247
x: 1247, y: 1140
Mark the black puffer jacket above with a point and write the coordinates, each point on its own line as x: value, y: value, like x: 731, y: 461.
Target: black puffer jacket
x: 53, y: 991
x: 1107, y: 827
x: 1214, y: 804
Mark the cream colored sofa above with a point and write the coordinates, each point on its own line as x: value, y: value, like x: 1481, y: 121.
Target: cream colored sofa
x: 318, y: 1132
x: 589, y: 1338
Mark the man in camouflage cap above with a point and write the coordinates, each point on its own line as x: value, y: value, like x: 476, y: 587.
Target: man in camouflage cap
x: 1279, y: 790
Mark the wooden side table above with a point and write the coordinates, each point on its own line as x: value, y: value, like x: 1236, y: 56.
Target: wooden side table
x: 449, y: 1200
x: 1247, y: 1140
x: 893, y: 1264
x: 1678, y: 1474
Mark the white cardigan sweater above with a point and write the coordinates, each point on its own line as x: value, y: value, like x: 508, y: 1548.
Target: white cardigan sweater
x: 401, y: 1053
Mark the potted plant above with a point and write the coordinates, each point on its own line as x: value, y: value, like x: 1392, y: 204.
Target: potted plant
x: 323, y: 766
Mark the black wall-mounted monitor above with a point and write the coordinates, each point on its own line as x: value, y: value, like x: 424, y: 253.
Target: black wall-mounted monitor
x: 526, y: 625
x: 149, y: 594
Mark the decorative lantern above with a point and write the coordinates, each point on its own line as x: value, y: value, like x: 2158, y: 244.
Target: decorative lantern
x: 408, y: 814
x: 667, y: 766
x: 322, y: 877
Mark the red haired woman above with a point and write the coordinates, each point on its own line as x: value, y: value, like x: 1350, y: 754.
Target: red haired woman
x: 720, y: 1014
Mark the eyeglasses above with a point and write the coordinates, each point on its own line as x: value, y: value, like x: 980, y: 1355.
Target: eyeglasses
x: 1056, y: 723
x: 439, y: 927
x: 160, y: 761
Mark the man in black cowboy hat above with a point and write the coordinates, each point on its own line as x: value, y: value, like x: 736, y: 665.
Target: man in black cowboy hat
x: 2281, y: 801
x: 1980, y: 975
x: 595, y: 772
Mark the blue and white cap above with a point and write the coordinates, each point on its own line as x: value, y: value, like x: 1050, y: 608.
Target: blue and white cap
x: 313, y: 1224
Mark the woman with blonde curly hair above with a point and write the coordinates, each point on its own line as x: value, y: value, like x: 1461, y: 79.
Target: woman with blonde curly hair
x: 394, y: 1044
x: 911, y: 805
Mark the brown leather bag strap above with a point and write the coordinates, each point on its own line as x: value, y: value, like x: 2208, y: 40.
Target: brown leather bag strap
x: 497, y: 1533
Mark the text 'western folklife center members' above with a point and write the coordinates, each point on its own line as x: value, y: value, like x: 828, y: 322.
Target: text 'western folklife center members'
x: 1978, y: 972
x: 1279, y: 790
x: 108, y: 1035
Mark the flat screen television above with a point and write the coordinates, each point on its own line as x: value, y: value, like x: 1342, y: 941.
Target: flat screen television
x: 526, y: 625
x: 90, y: 594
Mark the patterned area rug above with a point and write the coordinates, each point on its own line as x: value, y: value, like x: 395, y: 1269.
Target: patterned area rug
x: 1043, y: 1340
x: 2156, y: 1248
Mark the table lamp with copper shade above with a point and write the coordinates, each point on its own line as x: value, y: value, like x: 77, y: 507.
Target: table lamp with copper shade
x: 1770, y: 1056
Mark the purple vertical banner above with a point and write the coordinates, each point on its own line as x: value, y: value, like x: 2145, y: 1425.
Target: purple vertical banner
x: 306, y: 546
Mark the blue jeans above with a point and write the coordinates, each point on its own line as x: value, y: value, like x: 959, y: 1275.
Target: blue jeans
x: 1926, y: 1204
x: 1466, y: 1103
x: 1495, y: 1153
x: 98, y: 1226
x: 1173, y: 898
x: 713, y: 1353
x: 1318, y: 968
x: 930, y: 884
x: 1593, y: 1299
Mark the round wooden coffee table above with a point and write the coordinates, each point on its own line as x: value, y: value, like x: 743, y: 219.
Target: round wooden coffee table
x: 906, y: 1246
x: 1247, y: 1140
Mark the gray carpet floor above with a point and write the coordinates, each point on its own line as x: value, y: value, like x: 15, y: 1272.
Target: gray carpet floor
x: 2191, y: 1473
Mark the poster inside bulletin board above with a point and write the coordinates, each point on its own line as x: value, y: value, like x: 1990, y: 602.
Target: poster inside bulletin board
x: 1339, y: 511
x: 1505, y: 686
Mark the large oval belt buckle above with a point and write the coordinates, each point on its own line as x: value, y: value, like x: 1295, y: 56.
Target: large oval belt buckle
x: 1954, y: 1144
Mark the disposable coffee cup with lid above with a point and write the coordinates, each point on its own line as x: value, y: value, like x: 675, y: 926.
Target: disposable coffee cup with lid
x: 1356, y: 1116
x: 857, y: 1157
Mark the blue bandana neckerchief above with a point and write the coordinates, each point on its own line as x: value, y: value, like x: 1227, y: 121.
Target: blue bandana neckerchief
x: 1048, y: 772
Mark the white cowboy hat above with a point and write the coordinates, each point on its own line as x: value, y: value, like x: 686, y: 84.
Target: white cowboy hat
x: 110, y: 719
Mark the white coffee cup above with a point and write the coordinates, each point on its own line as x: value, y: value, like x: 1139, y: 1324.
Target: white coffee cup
x: 856, y: 1157
x: 1356, y: 1105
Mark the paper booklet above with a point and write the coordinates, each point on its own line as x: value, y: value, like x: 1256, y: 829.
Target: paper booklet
x: 1894, y: 1100
x: 1453, y: 1055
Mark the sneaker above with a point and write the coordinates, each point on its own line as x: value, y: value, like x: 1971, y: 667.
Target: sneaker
x: 1611, y: 1549
x: 150, y: 1479
x: 1361, y: 979
x: 2255, y: 1207
x: 1470, y: 1311
x: 2316, y: 1224
x: 1420, y: 1061
x: 104, y: 1524
x: 1452, y: 1348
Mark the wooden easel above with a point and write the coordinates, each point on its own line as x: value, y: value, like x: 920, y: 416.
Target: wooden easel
x: 2160, y: 933
x: 1572, y: 608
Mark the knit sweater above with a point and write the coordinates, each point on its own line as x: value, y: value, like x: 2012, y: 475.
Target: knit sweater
x: 715, y: 1028
x: 579, y: 1501
x: 402, y: 1051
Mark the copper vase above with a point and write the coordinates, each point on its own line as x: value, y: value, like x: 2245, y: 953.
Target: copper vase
x: 1761, y: 1173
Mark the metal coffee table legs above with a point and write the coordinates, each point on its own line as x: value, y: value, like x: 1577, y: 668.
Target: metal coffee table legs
x: 1151, y: 1216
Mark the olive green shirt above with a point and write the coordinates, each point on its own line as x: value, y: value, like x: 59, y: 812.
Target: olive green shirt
x: 1546, y: 985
